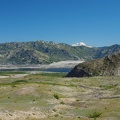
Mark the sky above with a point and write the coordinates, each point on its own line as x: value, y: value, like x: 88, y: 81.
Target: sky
x: 94, y: 22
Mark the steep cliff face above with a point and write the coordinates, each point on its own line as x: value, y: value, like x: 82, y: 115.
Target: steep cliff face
x: 108, y: 66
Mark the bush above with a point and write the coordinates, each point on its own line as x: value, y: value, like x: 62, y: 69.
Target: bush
x: 56, y: 96
x: 95, y: 114
x: 62, y: 102
x: 56, y: 115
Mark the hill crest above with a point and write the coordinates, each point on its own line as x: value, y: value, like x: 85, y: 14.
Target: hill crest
x: 107, y: 66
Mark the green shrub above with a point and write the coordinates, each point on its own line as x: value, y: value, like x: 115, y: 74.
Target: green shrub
x: 54, y: 110
x: 95, y: 114
x: 62, y: 102
x: 20, y: 81
x: 13, y: 86
x: 56, y: 115
x: 106, y: 87
x: 56, y: 96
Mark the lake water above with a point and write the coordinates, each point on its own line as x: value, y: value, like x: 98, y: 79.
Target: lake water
x: 58, y: 70
x: 65, y: 70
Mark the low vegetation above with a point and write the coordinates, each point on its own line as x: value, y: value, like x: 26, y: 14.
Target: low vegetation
x: 95, y: 115
x: 8, y: 73
x: 52, y: 96
x: 56, y: 96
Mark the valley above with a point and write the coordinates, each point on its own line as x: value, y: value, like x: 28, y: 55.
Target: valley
x: 45, y: 81
x: 59, y: 60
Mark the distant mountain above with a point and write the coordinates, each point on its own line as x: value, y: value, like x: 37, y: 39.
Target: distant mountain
x: 104, y: 51
x: 108, y: 66
x: 41, y: 52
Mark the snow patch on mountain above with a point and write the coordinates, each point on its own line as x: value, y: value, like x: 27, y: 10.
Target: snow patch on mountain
x: 81, y: 44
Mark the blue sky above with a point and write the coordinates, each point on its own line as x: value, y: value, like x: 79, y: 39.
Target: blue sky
x: 95, y: 22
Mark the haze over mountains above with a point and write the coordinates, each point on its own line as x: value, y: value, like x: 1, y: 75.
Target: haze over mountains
x: 41, y: 52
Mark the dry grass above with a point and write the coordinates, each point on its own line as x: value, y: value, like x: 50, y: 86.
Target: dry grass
x: 31, y: 97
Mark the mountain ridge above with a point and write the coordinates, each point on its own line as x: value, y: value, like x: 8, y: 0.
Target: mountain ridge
x: 42, y: 52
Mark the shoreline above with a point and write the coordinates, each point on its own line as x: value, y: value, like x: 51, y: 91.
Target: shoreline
x: 56, y: 65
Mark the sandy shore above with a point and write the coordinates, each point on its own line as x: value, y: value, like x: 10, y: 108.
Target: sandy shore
x: 14, y: 76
